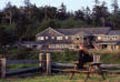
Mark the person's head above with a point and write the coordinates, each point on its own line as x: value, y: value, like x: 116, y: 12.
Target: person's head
x: 80, y: 47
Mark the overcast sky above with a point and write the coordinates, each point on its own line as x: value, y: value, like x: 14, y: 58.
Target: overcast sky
x: 72, y: 5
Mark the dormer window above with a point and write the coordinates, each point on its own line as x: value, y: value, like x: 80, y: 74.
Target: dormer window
x: 40, y: 38
x: 59, y: 38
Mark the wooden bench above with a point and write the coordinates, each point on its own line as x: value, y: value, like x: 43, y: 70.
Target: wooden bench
x: 93, y: 67
x: 112, y: 71
x: 73, y: 72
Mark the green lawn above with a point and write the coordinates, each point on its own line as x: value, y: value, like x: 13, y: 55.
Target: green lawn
x: 62, y: 78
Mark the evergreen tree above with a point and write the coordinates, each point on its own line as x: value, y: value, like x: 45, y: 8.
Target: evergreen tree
x: 115, y: 15
x: 115, y: 6
x: 27, y: 3
x: 100, y: 14
x: 62, y: 15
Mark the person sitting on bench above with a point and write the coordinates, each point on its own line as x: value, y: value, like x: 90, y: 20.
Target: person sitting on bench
x: 83, y: 58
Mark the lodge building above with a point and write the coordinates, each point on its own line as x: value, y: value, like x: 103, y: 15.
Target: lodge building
x: 91, y: 38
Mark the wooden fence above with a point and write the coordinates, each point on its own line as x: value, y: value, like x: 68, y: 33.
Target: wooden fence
x: 4, y: 71
x: 44, y: 64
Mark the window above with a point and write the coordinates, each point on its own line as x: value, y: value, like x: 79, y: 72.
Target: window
x: 39, y: 46
x: 104, y: 46
x: 115, y: 37
x: 99, y: 38
x: 57, y: 46
x: 40, y: 38
x: 53, y: 37
x: 59, y: 38
x: 34, y: 46
x: 66, y: 37
x: 77, y: 47
x: 46, y: 37
x: 77, y: 38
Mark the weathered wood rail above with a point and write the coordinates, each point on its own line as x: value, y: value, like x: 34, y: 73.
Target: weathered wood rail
x: 108, y: 68
x: 47, y: 64
x: 110, y: 65
x: 69, y: 65
x: 23, y: 71
x: 44, y: 63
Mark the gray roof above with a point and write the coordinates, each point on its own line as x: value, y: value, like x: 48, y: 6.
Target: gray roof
x: 114, y: 32
x: 108, y: 42
x: 72, y: 31
x: 98, y: 30
x: 49, y: 32
x: 46, y: 42
x: 90, y: 30
x: 68, y: 31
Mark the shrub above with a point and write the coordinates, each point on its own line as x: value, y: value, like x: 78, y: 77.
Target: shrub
x: 65, y: 56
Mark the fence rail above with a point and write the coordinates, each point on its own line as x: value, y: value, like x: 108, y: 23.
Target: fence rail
x: 9, y: 62
x: 54, y: 65
x: 44, y: 62
x: 23, y: 71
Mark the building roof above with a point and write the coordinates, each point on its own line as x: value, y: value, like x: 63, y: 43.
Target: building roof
x: 98, y: 30
x: 72, y: 31
x: 114, y: 32
x: 109, y: 42
x: 90, y: 30
x: 46, y: 42
x: 69, y: 31
x: 49, y: 32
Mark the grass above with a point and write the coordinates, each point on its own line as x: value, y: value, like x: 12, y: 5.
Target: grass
x: 107, y: 57
x: 62, y: 78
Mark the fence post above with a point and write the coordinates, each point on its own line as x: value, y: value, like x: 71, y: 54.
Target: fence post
x: 3, y: 67
x: 40, y: 59
x: 48, y: 63
x: 42, y: 62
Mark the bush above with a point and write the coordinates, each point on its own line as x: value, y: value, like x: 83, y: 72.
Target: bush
x: 110, y: 58
x: 65, y: 56
x: 21, y: 53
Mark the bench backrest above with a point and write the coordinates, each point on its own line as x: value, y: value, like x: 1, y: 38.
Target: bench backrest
x: 96, y: 58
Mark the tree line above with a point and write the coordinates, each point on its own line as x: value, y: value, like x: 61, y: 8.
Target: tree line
x: 21, y: 24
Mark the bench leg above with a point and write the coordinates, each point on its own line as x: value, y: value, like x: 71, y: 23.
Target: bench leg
x: 88, y: 73
x: 72, y: 74
x: 87, y: 77
x: 101, y: 73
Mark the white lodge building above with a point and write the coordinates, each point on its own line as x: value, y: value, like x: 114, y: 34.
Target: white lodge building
x: 60, y: 39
